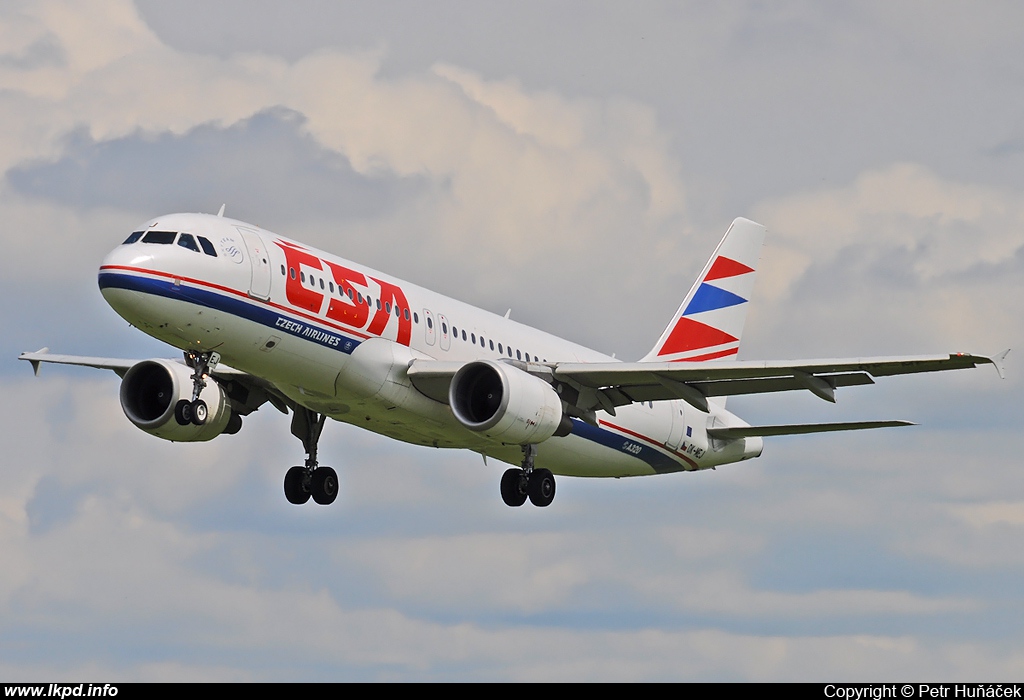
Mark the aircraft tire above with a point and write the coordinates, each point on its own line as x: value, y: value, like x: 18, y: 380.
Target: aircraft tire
x: 294, y: 491
x: 542, y: 487
x: 324, y: 485
x: 183, y: 412
x: 514, y: 487
x: 200, y: 412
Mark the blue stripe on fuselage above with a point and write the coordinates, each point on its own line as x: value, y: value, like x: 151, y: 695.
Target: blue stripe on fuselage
x: 241, y: 308
x: 656, y: 459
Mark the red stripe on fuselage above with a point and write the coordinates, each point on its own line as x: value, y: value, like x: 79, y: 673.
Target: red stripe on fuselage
x: 235, y: 292
x: 648, y: 440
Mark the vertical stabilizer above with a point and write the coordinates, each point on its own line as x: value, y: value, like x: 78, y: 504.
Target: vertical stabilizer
x: 709, y: 322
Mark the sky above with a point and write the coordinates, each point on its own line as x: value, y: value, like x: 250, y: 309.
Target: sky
x: 577, y: 162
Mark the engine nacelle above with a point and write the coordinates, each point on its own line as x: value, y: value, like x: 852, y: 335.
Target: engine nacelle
x: 151, y: 389
x: 506, y: 403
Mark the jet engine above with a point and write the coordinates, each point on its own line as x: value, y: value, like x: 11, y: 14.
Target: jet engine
x: 506, y: 403
x: 150, y: 391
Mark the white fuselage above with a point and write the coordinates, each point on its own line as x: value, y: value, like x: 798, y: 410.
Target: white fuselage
x: 338, y: 338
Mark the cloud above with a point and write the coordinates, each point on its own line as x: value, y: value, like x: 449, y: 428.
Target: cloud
x: 250, y: 164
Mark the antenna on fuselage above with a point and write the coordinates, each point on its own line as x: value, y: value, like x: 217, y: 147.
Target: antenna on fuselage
x: 221, y: 212
x: 508, y: 313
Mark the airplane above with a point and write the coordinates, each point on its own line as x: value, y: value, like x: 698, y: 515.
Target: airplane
x: 261, y: 318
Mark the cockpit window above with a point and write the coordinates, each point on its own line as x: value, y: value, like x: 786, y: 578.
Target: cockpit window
x: 186, y: 240
x: 207, y: 246
x: 162, y: 237
x: 133, y: 238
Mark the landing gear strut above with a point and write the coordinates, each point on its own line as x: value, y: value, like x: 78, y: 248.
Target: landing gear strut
x: 310, y: 480
x: 196, y: 411
x: 536, y: 484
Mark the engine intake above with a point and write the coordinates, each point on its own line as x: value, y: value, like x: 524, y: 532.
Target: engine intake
x: 506, y: 403
x: 151, y: 389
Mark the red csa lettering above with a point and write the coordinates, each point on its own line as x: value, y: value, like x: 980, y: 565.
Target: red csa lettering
x: 389, y: 292
x: 297, y: 294
x: 344, y: 309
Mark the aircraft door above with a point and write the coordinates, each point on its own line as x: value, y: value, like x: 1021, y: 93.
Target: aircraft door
x: 259, y: 259
x: 428, y: 326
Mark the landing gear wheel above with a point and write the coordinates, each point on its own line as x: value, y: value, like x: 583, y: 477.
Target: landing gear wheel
x: 542, y: 487
x: 183, y: 412
x: 514, y: 487
x: 200, y: 412
x: 324, y: 485
x: 294, y: 489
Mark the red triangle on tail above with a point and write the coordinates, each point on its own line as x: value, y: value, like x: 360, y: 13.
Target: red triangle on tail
x: 726, y: 267
x: 693, y: 335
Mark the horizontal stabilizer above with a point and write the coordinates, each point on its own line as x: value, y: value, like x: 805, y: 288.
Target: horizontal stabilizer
x: 800, y: 429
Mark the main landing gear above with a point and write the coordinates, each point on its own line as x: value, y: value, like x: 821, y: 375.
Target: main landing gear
x: 311, y: 480
x: 536, y: 484
x: 196, y: 411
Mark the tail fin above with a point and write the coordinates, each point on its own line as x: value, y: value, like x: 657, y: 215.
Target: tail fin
x: 709, y: 323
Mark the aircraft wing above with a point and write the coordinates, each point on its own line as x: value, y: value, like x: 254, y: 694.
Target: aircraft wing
x: 258, y: 390
x: 117, y: 365
x: 620, y: 383
x: 605, y: 385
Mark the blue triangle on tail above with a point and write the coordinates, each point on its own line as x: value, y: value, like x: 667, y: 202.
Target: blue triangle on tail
x: 709, y: 298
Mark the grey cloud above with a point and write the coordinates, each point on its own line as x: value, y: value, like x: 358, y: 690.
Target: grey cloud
x: 42, y: 53
x: 254, y: 166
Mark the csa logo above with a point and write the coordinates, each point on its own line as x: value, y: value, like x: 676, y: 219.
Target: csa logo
x: 230, y: 250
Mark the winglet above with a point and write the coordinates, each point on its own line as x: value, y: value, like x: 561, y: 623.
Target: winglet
x: 998, y: 362
x: 35, y: 363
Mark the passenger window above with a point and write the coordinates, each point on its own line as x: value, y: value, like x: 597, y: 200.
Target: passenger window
x: 387, y: 306
x: 518, y: 355
x: 291, y: 272
x: 472, y: 338
x: 406, y: 313
x: 161, y: 237
x: 463, y: 333
x: 492, y: 345
x: 283, y: 273
x: 133, y: 238
x: 186, y: 240
x: 500, y: 350
x: 207, y: 246
x: 415, y: 317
